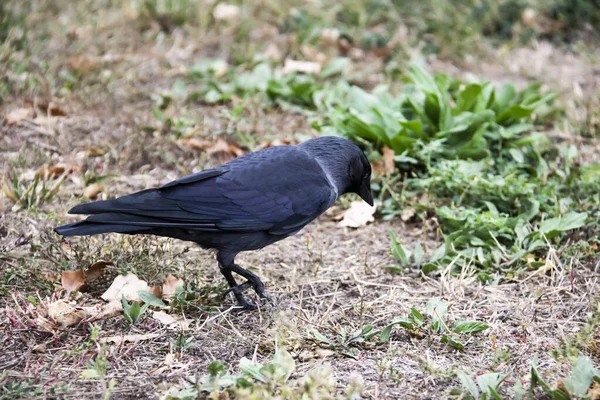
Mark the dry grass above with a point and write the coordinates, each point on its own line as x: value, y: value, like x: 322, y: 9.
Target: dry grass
x: 326, y: 277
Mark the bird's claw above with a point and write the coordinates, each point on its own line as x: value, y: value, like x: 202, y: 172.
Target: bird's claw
x: 238, y: 291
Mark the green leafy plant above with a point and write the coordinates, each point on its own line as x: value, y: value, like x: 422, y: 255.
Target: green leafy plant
x: 134, y: 311
x: 435, y: 323
x: 347, y: 343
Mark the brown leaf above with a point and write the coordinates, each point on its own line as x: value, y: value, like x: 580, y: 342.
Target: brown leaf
x: 93, y: 190
x: 15, y: 117
x: 377, y: 167
x: 96, y: 270
x: 359, y: 214
x: 129, y: 338
x: 65, y: 313
x: 169, y: 287
x: 156, y: 290
x: 72, y: 280
x: 388, y: 160
x: 197, y: 144
x: 56, y: 170
x: 125, y: 285
x: 103, y: 311
x: 95, y: 151
x: 81, y: 63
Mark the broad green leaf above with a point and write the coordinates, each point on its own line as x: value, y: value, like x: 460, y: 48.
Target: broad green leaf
x: 553, y: 226
x: 469, y: 327
x: 581, y: 378
x: 468, y: 97
x: 399, y: 251
x: 418, y: 254
x: 452, y: 342
x: 150, y: 299
x: 468, y: 383
x: 252, y: 370
x: 437, y: 310
x: 489, y: 381
x: 320, y: 337
x: 416, y: 316
x: 283, y: 366
x: 335, y: 66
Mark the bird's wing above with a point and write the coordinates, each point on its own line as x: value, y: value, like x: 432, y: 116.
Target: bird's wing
x: 277, y: 190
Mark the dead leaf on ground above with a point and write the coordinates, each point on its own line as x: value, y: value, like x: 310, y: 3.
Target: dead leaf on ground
x: 221, y: 146
x: 92, y: 191
x: 15, y: 117
x: 170, y: 321
x: 47, y: 108
x: 388, y: 160
x: 407, y: 214
x: 198, y: 144
x: 226, y: 12
x: 79, y: 279
x: 82, y: 63
x: 73, y: 280
x: 307, y: 67
x: 169, y: 287
x: 125, y: 285
x: 103, y: 311
x: 213, y: 148
x: 359, y: 214
x: 64, y: 313
x: 156, y: 290
x: 129, y: 338
x: 53, y: 171
x: 96, y: 270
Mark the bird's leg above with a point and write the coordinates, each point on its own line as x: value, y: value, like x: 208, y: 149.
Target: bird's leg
x: 253, y: 279
x: 237, y: 289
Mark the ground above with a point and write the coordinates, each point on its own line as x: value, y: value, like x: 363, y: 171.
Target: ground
x: 327, y: 277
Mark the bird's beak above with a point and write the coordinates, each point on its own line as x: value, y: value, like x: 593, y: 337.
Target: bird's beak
x: 365, y: 193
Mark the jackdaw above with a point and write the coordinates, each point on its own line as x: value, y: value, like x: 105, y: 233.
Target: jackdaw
x: 245, y: 204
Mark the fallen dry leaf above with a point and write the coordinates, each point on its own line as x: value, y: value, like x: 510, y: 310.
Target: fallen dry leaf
x: 93, y: 190
x: 388, y: 160
x: 15, y: 117
x: 103, y: 311
x: 307, y: 67
x: 65, y: 313
x: 194, y: 143
x: 95, y: 151
x: 156, y: 290
x: 81, y: 63
x: 125, y: 285
x: 169, y: 287
x: 129, y: 338
x: 359, y: 214
x: 226, y: 12
x: 72, y: 280
x: 407, y: 214
x: 96, y: 270
x: 170, y: 321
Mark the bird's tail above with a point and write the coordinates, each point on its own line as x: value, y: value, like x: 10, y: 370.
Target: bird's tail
x: 84, y: 228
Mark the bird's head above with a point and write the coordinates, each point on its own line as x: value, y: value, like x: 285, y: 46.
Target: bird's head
x: 360, y: 173
x: 345, y: 163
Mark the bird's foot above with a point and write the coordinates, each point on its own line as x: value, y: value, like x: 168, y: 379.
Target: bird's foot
x: 238, y: 291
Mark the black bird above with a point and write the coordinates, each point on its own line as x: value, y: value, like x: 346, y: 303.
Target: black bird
x: 245, y: 204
